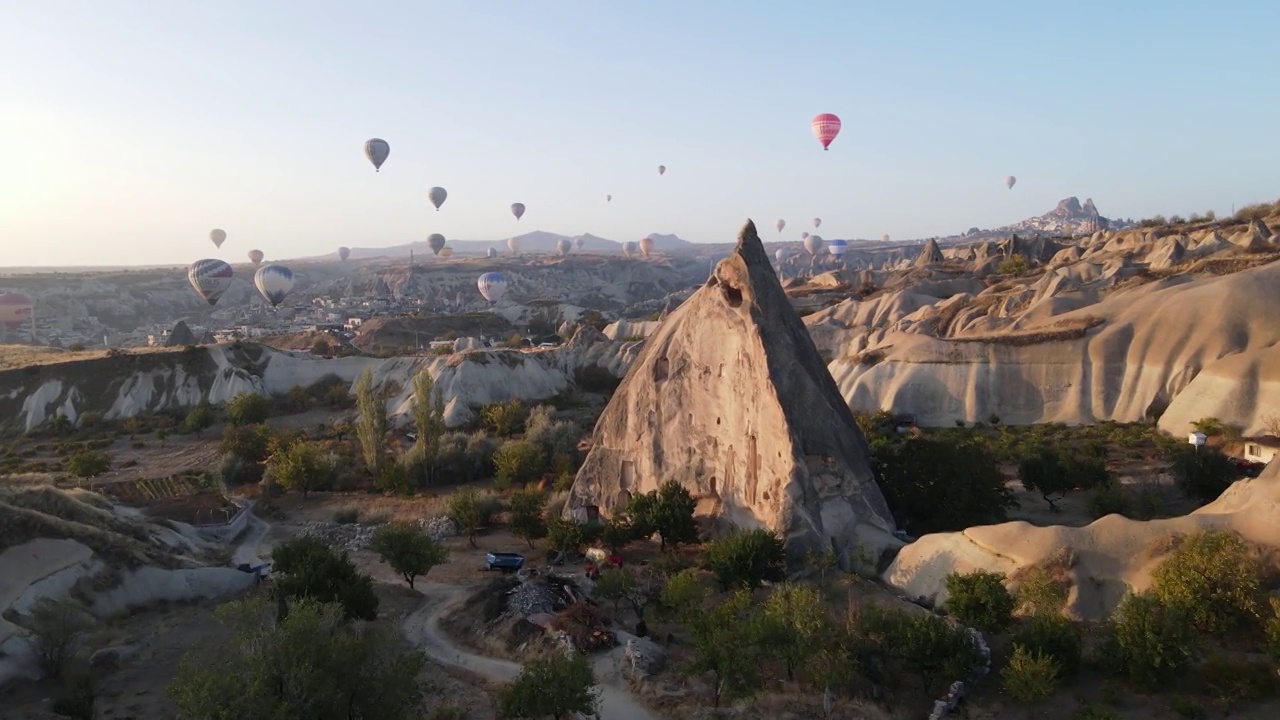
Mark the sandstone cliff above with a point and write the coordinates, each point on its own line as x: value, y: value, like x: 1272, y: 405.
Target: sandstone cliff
x: 730, y: 397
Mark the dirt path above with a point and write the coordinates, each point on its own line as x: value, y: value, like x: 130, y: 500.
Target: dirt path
x: 423, y: 627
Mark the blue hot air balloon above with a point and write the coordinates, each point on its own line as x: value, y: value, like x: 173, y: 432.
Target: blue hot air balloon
x: 274, y: 282
x: 837, y: 247
x: 210, y: 277
x: 492, y: 285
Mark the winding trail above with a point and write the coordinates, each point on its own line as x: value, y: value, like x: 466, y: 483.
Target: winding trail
x: 423, y: 627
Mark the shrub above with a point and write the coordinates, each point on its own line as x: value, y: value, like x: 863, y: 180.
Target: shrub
x: 667, y: 511
x: 565, y: 536
x: 1109, y: 498
x: 527, y: 508
x: 408, y: 549
x: 469, y: 511
x: 248, y: 409
x: 301, y: 466
x: 746, y: 558
x: 1213, y: 580
x: 1202, y: 474
x: 1055, y: 636
x: 347, y: 515
x: 1054, y: 473
x: 520, y: 462
x: 54, y: 634
x: 504, y: 419
x: 88, y: 463
x: 889, y: 642
x: 979, y: 599
x: 1013, y: 265
x: 556, y: 685
x: 248, y: 442
x: 1039, y: 593
x: 1029, y: 676
x: 1233, y: 681
x: 307, y: 568
x: 938, y: 485
x: 198, y: 419
x: 1146, y: 641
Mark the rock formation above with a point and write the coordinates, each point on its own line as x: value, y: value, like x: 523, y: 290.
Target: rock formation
x: 180, y: 335
x: 730, y: 398
x: 929, y: 255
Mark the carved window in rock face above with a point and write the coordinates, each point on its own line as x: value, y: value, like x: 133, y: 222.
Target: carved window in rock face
x: 661, y: 369
x: 628, y: 479
x: 713, y: 486
x: 753, y: 469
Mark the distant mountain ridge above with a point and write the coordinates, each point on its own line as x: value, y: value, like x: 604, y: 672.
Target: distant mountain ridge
x: 538, y: 241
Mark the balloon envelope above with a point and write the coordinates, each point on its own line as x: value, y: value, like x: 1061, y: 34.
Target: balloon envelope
x: 630, y: 247
x: 813, y: 244
x: 218, y: 237
x: 491, y: 253
x: 344, y: 253
x: 377, y: 150
x: 492, y: 285
x: 804, y: 235
x: 817, y: 222
x: 1009, y: 181
x: 564, y: 246
x: 517, y: 209
x: 15, y: 309
x: 837, y: 247
x: 579, y: 242
x: 885, y: 237
x: 513, y: 245
x: 437, y: 196
x: 780, y: 254
x: 255, y: 257
x: 608, y: 198
x: 210, y: 278
x: 825, y: 127
x: 646, y: 246
x: 780, y: 224
x: 662, y: 169
x: 435, y: 241
x: 274, y: 282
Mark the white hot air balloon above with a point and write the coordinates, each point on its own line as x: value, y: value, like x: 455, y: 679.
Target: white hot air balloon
x: 492, y: 285
x: 274, y: 282
x: 513, y: 244
x: 437, y: 196
x: 1009, y: 181
x: 817, y: 222
x: 564, y: 246
x: 579, y: 242
x: 255, y: 257
x: 884, y: 237
x: 210, y: 278
x: 218, y: 237
x: 377, y: 151
x: 491, y: 253
x: 813, y: 244
x: 630, y: 247
x: 780, y: 224
x: 517, y: 209
x: 780, y: 255
x: 646, y: 246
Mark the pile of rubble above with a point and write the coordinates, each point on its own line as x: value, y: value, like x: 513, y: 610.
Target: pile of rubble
x: 535, y: 598
x: 352, y: 537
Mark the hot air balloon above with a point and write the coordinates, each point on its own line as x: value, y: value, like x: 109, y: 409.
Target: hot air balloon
x: 564, y: 246
x: 491, y: 253
x: 274, y: 282
x: 646, y: 246
x: 517, y: 209
x: 344, y: 253
x: 437, y: 196
x: 15, y: 309
x: 780, y: 254
x: 804, y: 236
x: 210, y: 278
x: 579, y: 242
x: 492, y: 285
x: 255, y: 257
x: 513, y: 244
x: 435, y: 241
x: 884, y: 237
x: 825, y: 127
x: 446, y: 252
x: 608, y: 198
x: 813, y: 244
x: 218, y: 237
x: 630, y: 247
x: 377, y: 151
x: 837, y: 247
x: 662, y: 169
x: 1009, y: 181
x: 780, y: 224
x: 817, y: 222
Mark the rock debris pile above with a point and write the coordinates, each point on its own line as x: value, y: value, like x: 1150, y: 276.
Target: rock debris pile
x: 352, y: 537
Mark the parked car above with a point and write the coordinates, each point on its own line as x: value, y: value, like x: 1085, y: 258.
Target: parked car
x: 506, y: 562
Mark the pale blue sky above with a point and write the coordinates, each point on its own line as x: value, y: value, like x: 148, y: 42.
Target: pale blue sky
x: 130, y: 128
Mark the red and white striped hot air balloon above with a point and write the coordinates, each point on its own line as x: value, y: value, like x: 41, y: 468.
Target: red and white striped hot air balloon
x: 825, y: 127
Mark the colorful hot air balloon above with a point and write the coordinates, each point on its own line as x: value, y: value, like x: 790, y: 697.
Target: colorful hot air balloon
x: 491, y: 253
x: 492, y: 285
x: 837, y: 247
x: 513, y: 244
x: 579, y: 242
x: 446, y: 252
x: 813, y: 244
x: 662, y: 169
x: 630, y: 247
x: 15, y: 309
x: 218, y: 237
x: 437, y: 196
x: 825, y: 127
x: 564, y: 246
x: 255, y: 257
x: 817, y: 222
x: 377, y: 151
x: 1009, y: 181
x: 780, y: 224
x: 435, y: 241
x: 344, y: 253
x: 646, y: 246
x: 781, y: 255
x: 274, y: 282
x: 608, y: 198
x: 210, y: 278
x: 517, y: 209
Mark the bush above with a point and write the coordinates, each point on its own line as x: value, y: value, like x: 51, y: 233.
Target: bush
x: 1055, y: 636
x: 1202, y: 474
x: 1013, y: 265
x: 1109, y: 498
x: 54, y: 634
x: 199, y: 419
x: 565, y: 536
x: 308, y: 568
x: 1054, y: 473
x: 1146, y: 641
x: 302, y: 467
x: 504, y: 419
x: 746, y: 558
x: 888, y: 643
x: 556, y: 685
x: 469, y: 511
x: 408, y: 549
x: 248, y: 409
x: 518, y: 461
x: 1212, y: 578
x: 667, y: 511
x: 1030, y: 676
x: 87, y: 463
x: 527, y: 508
x: 1233, y: 681
x: 1039, y: 593
x: 979, y: 599
x: 248, y: 442
x: 939, y: 485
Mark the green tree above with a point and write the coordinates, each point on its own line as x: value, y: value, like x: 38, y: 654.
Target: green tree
x: 1201, y: 473
x: 746, y: 558
x: 408, y: 549
x: 466, y: 509
x: 55, y: 633
x: 85, y: 463
x: 1013, y: 265
x: 1029, y: 676
x: 794, y: 624
x: 250, y: 443
x: 682, y: 594
x: 248, y: 408
x: 1054, y: 473
x: 667, y: 511
x: 527, y: 509
x: 199, y: 419
x: 1147, y: 641
x: 614, y: 586
x: 979, y: 599
x: 371, y: 423
x: 565, y: 536
x: 940, y: 485
x: 428, y: 418
x: 934, y: 650
x: 301, y: 466
x: 1055, y: 636
x: 310, y: 665
x: 1214, y: 579
x: 726, y: 643
x: 307, y: 568
x: 556, y: 686
x: 504, y: 419
x: 639, y: 587
x: 519, y: 461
